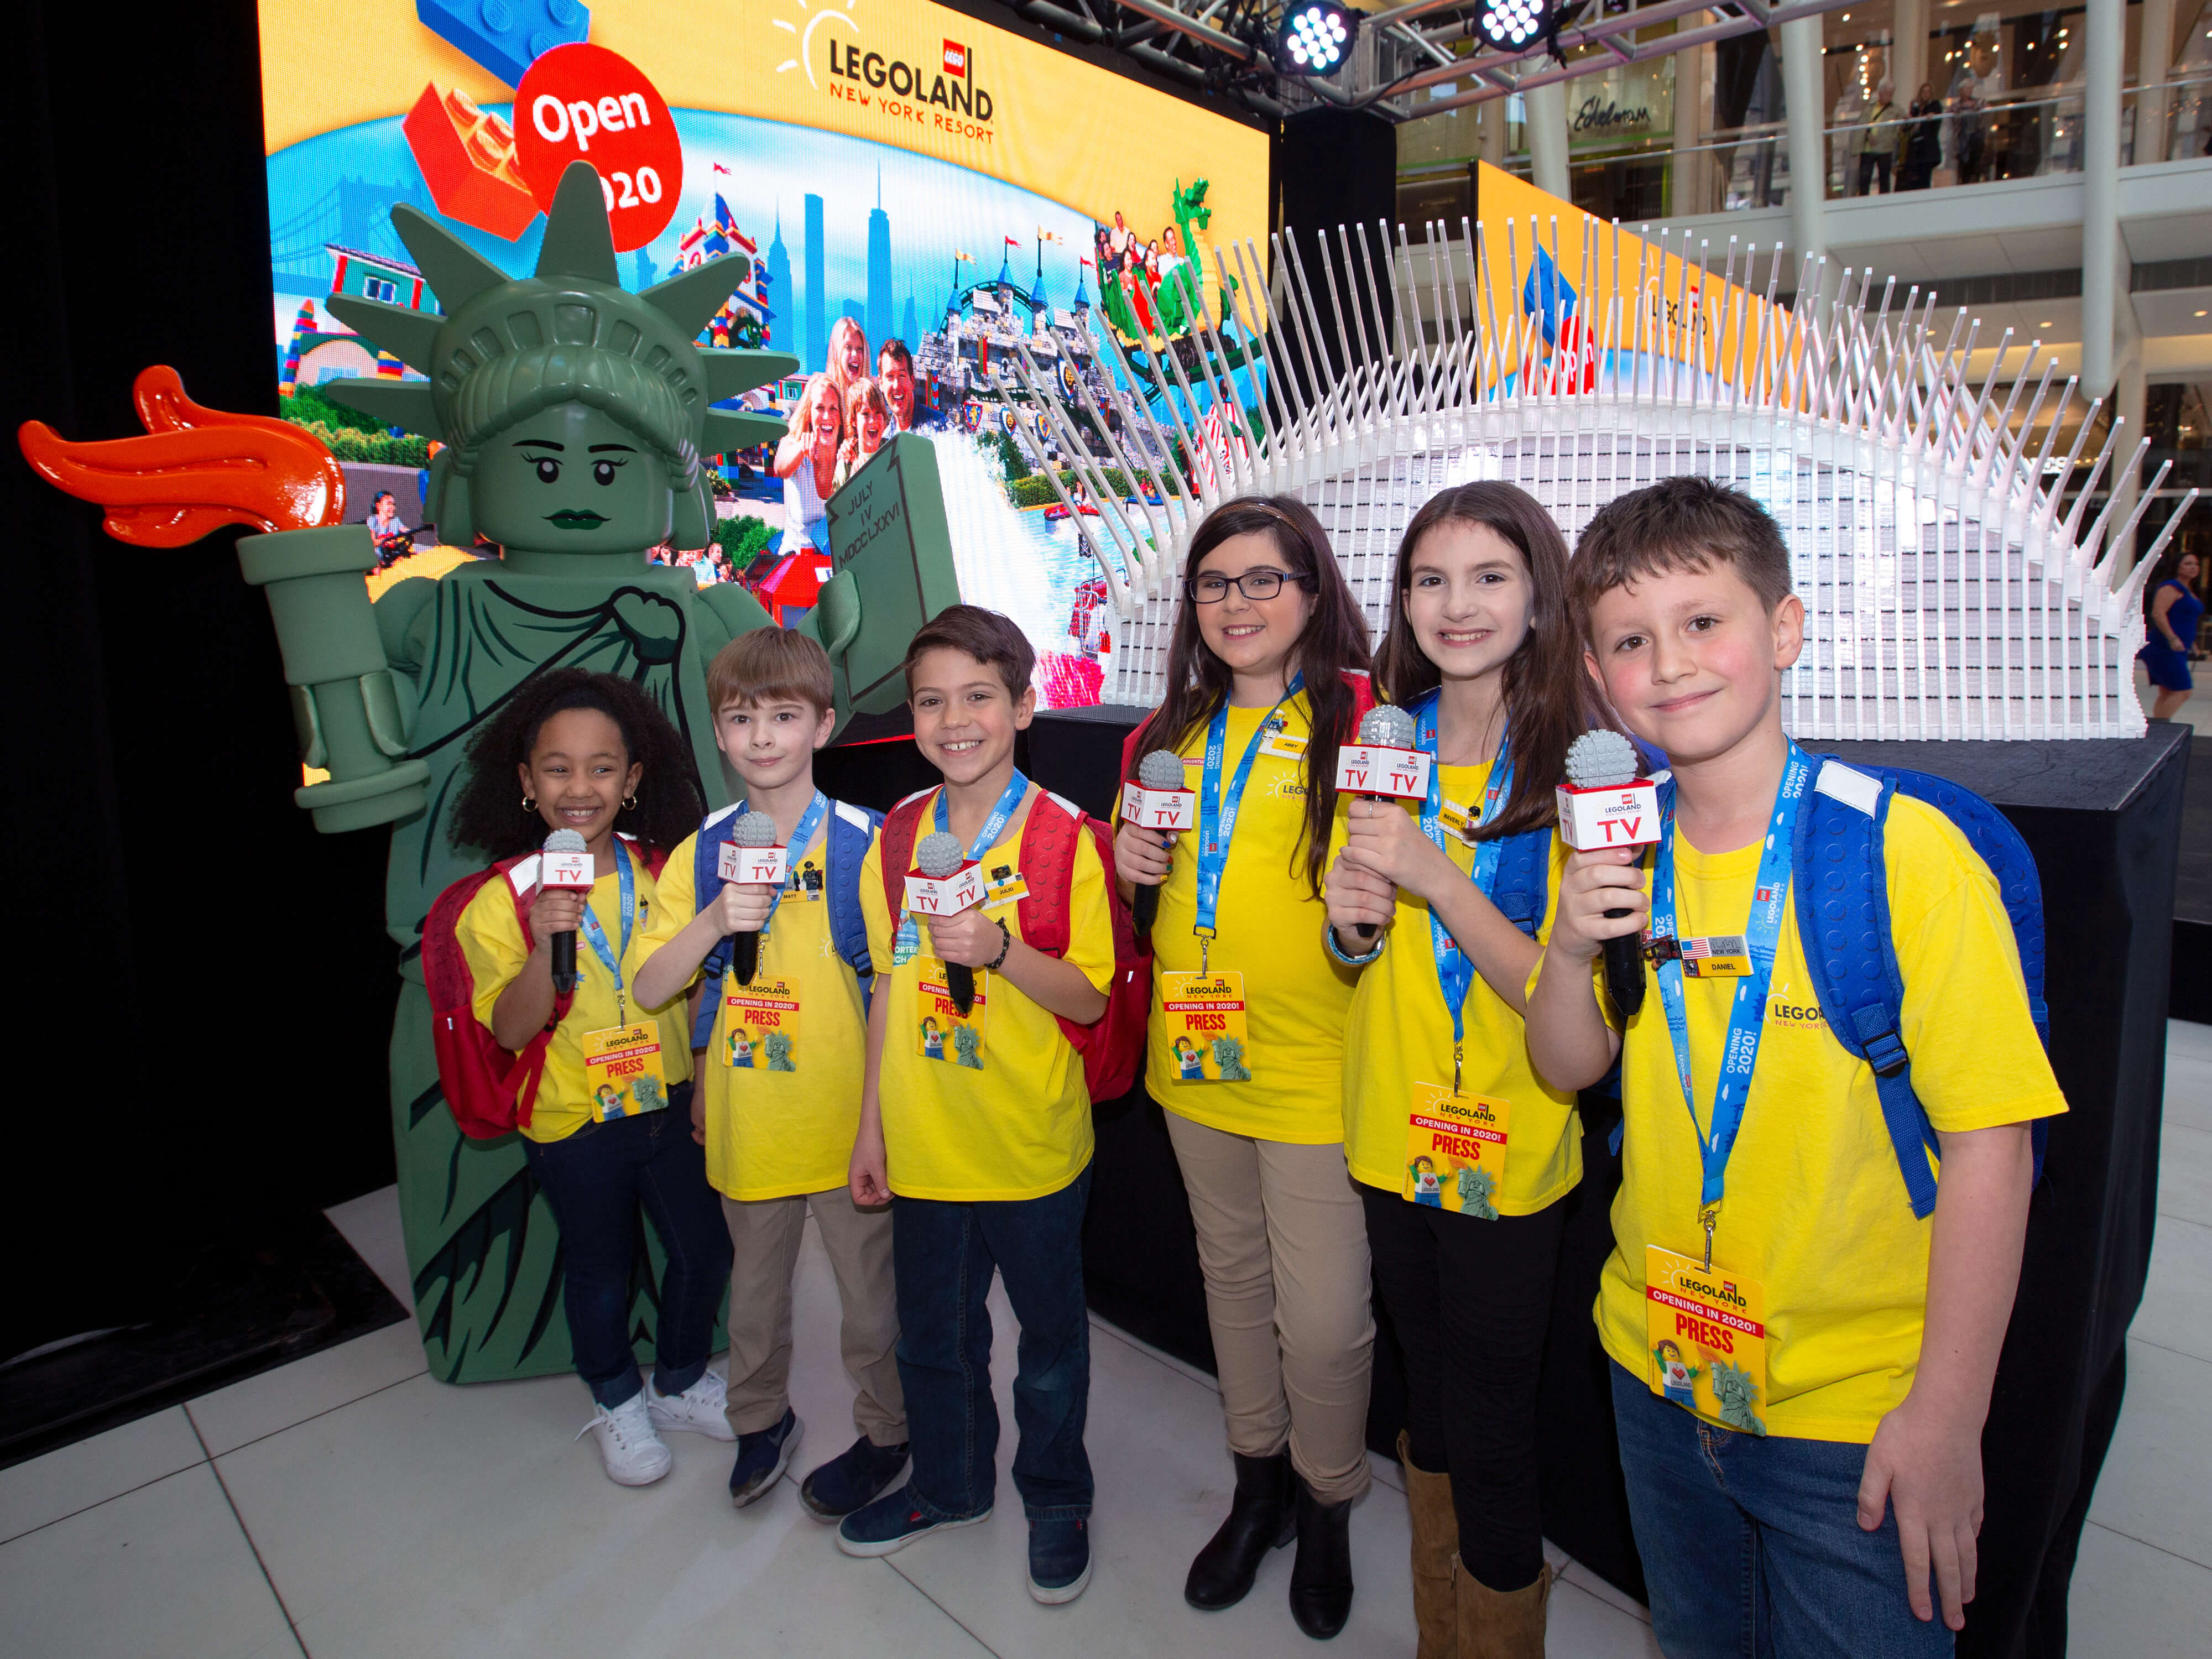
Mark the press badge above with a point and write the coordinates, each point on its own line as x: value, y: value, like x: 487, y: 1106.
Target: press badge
x: 1205, y: 1015
x: 621, y: 1071
x: 1003, y: 884
x: 1705, y: 1332
x: 1455, y: 1150
x: 1282, y: 744
x: 941, y: 1031
x: 760, y: 1026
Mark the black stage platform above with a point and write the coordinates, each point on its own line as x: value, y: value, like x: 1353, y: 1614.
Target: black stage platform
x: 2105, y: 820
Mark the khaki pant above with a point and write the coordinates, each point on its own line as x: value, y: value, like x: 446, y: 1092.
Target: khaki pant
x: 1282, y: 1239
x: 765, y: 1234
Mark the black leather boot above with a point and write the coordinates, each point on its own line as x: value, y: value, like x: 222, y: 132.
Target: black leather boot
x: 1261, y: 1518
x: 1321, y: 1582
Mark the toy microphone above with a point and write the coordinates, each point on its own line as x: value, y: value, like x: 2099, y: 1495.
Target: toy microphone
x: 1384, y: 763
x: 752, y: 832
x: 566, y: 862
x: 1157, y: 800
x: 1604, y: 804
x: 938, y: 858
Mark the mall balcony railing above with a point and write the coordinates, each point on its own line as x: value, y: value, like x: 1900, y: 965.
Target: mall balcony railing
x: 2006, y: 137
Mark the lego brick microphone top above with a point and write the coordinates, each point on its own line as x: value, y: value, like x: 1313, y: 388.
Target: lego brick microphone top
x: 505, y: 36
x: 1601, y: 760
x: 1161, y: 770
x: 755, y: 829
x: 1387, y: 728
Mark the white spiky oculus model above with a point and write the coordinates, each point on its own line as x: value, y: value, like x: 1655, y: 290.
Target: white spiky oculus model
x: 1947, y: 594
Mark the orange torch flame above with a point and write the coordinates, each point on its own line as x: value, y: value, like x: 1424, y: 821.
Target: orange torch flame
x: 196, y: 469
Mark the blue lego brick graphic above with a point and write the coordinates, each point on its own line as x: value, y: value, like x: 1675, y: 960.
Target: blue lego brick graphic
x: 505, y: 36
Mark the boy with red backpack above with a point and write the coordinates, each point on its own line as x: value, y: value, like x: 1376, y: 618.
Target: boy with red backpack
x: 779, y: 1097
x: 983, y: 1135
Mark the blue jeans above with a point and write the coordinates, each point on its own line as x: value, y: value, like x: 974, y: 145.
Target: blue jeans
x: 595, y: 1180
x: 943, y: 1254
x: 1752, y: 1545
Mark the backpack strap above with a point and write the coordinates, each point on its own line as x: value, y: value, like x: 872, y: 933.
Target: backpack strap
x: 898, y: 837
x: 1842, y: 895
x: 1521, y: 889
x: 846, y: 839
x: 1048, y: 841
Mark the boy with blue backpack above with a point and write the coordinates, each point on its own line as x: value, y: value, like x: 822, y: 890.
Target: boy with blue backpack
x: 779, y: 1100
x: 1804, y: 1322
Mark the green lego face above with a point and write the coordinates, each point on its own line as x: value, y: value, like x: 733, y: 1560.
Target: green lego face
x: 572, y: 480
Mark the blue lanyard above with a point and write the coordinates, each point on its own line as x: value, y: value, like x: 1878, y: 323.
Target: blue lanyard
x: 1217, y: 812
x: 801, y: 839
x: 908, y: 939
x: 1017, y: 788
x: 1454, y: 971
x: 1763, y: 933
x: 596, y: 936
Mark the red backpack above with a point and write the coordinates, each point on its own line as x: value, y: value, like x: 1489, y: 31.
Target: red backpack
x: 1113, y: 1048
x: 488, y: 1090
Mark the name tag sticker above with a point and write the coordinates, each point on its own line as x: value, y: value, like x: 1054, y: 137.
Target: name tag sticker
x: 1003, y: 884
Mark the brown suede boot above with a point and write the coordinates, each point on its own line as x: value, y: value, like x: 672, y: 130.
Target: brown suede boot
x: 1435, y: 1548
x: 1500, y: 1624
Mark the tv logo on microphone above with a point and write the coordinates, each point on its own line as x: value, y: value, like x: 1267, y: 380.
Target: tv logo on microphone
x: 944, y: 896
x: 1617, y: 815
x: 565, y: 870
x: 751, y: 866
x: 1366, y: 769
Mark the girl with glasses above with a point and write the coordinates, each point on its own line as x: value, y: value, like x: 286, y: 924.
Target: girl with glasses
x: 1266, y: 677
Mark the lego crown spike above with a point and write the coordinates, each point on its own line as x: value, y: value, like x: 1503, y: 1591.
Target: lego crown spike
x: 690, y: 297
x: 456, y: 272
x: 579, y: 241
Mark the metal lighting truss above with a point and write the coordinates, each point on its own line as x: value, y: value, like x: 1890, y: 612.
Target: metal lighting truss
x: 1402, y: 50
x: 1951, y: 591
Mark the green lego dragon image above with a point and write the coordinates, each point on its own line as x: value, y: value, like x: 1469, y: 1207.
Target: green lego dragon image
x: 575, y: 415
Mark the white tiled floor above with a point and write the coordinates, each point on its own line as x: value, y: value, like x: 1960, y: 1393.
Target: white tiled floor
x: 347, y: 1504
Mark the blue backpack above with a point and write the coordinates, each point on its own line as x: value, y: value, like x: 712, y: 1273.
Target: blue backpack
x: 1522, y: 887
x: 851, y: 830
x: 1842, y: 896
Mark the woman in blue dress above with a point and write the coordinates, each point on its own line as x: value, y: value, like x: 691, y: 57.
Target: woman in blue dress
x: 2175, y: 611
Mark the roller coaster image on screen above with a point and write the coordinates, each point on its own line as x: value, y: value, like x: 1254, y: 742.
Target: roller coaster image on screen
x: 561, y: 374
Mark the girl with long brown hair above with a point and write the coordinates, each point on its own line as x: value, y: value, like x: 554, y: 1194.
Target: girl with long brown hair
x: 1264, y: 671
x: 1461, y: 1155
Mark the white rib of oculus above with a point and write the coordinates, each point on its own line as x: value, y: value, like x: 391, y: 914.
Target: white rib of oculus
x: 1315, y: 39
x: 1943, y: 525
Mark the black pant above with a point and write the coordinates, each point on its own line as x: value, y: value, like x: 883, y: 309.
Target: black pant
x: 1870, y: 163
x: 1470, y: 1301
x: 595, y: 1180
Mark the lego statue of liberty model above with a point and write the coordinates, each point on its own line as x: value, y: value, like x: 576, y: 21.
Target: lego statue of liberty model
x: 574, y: 416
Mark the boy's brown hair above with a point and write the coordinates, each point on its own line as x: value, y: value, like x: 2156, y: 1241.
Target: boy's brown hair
x: 987, y: 635
x: 1687, y: 523
x: 770, y: 665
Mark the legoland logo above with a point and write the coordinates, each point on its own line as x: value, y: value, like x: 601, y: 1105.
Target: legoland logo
x: 945, y: 97
x: 1782, y: 1010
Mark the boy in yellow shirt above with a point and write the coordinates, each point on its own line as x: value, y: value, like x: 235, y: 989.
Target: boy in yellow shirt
x: 779, y: 1100
x: 1802, y: 1366
x: 983, y: 1135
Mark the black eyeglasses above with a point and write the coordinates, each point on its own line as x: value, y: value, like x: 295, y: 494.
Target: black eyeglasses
x: 1212, y: 588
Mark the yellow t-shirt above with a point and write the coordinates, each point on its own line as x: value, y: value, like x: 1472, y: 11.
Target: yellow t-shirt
x: 774, y: 1133
x: 1267, y: 927
x: 1020, y: 1127
x: 1399, y: 1034
x: 490, y: 935
x: 1815, y: 1210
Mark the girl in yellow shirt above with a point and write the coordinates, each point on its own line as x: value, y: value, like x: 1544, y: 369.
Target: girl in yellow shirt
x: 610, y: 1126
x: 1461, y: 1154
x: 1262, y: 676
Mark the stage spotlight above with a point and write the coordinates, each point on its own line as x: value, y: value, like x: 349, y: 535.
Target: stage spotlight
x: 1316, y: 37
x: 1511, y: 25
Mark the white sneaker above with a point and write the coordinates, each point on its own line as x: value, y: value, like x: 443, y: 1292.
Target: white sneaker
x: 633, y: 1454
x: 700, y: 1409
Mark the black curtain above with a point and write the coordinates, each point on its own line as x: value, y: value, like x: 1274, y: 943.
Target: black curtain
x: 1338, y: 177
x: 209, y: 979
